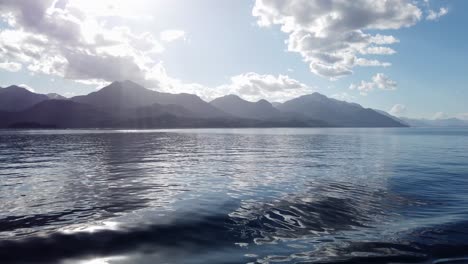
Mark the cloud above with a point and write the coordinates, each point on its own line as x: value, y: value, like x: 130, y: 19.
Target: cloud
x: 380, y: 81
x: 10, y: 66
x: 366, y: 62
x: 435, y: 15
x: 440, y: 115
x: 398, y: 110
x: 378, y: 50
x: 331, y: 35
x: 443, y: 115
x: 463, y: 116
x: 383, y: 82
x: 83, y: 66
x: 382, y: 39
x: 253, y: 86
x: 69, y: 40
x: 172, y: 35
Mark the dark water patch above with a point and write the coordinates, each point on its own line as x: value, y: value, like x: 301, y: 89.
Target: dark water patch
x: 313, y: 217
x: 193, y: 236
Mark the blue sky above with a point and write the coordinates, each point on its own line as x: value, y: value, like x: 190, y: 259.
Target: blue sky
x: 213, y: 47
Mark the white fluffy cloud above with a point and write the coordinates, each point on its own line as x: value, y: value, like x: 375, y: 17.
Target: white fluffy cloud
x: 383, y: 82
x: 66, y: 39
x: 435, y: 15
x: 398, y: 110
x: 380, y: 81
x: 331, y: 35
x: 10, y: 66
x: 172, y: 35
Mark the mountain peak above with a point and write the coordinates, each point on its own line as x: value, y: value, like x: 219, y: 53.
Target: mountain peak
x: 56, y: 96
x: 336, y: 112
x: 16, y: 98
x: 236, y: 106
x: 125, y: 83
x: 118, y: 95
x: 263, y: 102
x: 317, y: 95
x: 128, y: 95
x: 129, y: 83
x: 122, y: 86
x: 230, y: 97
x: 17, y: 88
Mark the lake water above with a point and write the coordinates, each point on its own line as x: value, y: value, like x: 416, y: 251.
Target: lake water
x: 234, y: 196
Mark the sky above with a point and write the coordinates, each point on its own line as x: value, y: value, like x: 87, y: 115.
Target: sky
x: 403, y: 56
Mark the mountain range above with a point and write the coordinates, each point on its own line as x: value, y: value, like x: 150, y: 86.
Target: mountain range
x: 444, y: 122
x: 125, y: 104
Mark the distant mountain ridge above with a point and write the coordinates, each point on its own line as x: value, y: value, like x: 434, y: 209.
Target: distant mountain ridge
x: 14, y: 98
x: 447, y: 122
x: 337, y: 113
x: 236, y: 106
x: 129, y: 105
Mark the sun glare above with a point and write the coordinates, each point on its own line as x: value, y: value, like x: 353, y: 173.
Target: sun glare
x: 113, y: 8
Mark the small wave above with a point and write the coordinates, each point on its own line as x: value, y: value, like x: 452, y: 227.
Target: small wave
x: 192, y: 236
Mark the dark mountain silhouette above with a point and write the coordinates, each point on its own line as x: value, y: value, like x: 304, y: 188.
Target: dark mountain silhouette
x: 337, y: 113
x: 236, y: 106
x: 158, y: 109
x: 69, y: 114
x: 15, y: 98
x: 127, y: 94
x: 129, y: 105
x: 55, y: 113
x: 261, y: 110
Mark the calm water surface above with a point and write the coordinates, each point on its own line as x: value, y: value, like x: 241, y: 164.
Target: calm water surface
x: 234, y: 196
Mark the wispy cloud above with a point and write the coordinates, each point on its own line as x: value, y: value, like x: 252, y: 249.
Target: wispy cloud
x: 172, y: 35
x: 398, y: 110
x: 10, y: 66
x: 435, y: 15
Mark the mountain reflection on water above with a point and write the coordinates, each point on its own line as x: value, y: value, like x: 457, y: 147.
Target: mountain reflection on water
x: 234, y: 196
